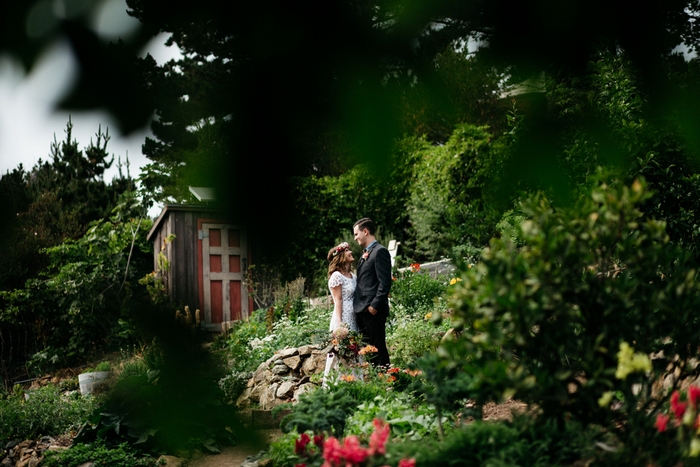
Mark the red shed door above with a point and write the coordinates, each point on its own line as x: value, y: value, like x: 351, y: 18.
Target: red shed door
x: 224, y: 256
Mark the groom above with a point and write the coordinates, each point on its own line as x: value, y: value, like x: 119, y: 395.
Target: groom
x: 371, y: 300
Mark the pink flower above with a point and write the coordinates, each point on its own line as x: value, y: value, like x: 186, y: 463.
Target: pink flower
x: 694, y: 395
x: 352, y: 451
x: 661, y: 422
x: 378, y: 439
x: 300, y: 444
x: 407, y: 462
x: 332, y: 452
x: 677, y: 407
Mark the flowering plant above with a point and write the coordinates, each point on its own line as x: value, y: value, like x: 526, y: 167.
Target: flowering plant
x: 686, y: 419
x: 344, y: 343
x: 349, y: 452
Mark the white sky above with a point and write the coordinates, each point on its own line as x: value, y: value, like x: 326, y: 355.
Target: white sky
x: 28, y: 120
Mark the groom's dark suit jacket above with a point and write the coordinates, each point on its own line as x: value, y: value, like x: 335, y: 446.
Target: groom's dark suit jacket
x: 373, y: 281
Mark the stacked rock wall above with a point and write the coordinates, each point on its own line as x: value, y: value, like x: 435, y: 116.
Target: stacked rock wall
x: 283, y: 377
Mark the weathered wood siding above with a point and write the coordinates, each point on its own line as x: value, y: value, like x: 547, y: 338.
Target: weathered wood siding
x: 181, y: 280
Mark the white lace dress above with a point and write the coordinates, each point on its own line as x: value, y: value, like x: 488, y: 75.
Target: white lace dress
x: 348, y: 290
x: 348, y: 315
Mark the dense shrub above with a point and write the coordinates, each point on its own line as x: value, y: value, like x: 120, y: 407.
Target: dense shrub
x: 98, y: 453
x: 411, y: 335
x: 177, y: 404
x: 81, y: 307
x: 522, y: 442
x: 417, y: 292
x: 547, y: 323
x: 320, y: 411
x: 47, y: 412
x: 408, y: 417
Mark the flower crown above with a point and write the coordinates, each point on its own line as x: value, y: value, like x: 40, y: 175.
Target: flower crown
x: 342, y: 247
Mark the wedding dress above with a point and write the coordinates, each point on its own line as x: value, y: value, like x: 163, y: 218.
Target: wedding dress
x: 347, y: 316
x: 348, y: 287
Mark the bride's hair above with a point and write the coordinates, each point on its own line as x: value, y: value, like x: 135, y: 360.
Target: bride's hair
x: 336, y: 258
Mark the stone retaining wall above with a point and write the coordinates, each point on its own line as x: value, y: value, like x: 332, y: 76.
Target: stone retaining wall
x: 283, y: 377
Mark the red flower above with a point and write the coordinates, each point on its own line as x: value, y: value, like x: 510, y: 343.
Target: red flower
x: 352, y: 451
x: 318, y: 441
x: 407, y: 462
x: 415, y: 267
x: 393, y: 370
x: 694, y: 395
x: 332, y: 452
x: 300, y: 444
x: 300, y: 465
x: 661, y: 422
x: 678, y: 407
x: 378, y: 439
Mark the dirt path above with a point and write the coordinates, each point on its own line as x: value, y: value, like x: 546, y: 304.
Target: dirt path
x: 232, y: 456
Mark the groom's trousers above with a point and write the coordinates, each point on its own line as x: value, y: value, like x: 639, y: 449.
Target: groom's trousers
x: 373, y: 329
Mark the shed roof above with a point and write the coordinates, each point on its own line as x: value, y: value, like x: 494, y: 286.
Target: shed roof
x: 179, y: 207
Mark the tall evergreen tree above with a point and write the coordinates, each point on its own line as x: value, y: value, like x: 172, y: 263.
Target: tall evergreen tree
x: 54, y: 202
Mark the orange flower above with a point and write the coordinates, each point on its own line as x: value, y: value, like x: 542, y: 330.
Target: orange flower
x: 391, y: 379
x: 415, y: 267
x: 348, y: 378
x: 393, y: 370
x: 412, y: 372
x: 368, y: 349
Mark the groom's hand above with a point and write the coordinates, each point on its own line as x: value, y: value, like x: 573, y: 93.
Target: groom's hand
x: 372, y: 310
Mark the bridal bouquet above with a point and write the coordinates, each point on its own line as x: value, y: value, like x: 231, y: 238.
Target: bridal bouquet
x: 344, y: 343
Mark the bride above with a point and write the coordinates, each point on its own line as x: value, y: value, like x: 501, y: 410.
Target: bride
x: 341, y: 283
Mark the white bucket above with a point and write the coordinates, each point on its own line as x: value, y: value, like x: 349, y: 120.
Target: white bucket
x: 88, y: 381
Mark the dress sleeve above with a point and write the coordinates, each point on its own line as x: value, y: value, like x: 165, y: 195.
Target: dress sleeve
x: 335, y: 280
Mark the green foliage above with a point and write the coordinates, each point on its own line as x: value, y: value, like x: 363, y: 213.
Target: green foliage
x: 175, y: 405
x: 544, y: 323
x: 522, y: 442
x: 362, y: 389
x: 54, y: 202
x: 47, y: 412
x: 76, y: 310
x: 622, y: 139
x: 409, y: 419
x: 418, y: 293
x: 411, y: 336
x: 321, y: 411
x: 282, y: 450
x: 98, y: 453
x: 452, y: 192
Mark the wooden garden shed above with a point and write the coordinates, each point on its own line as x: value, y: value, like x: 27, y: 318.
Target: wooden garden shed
x: 203, y: 265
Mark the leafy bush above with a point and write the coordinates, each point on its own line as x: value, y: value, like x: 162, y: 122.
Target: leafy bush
x: 418, y: 293
x: 320, y: 411
x: 47, y: 412
x: 544, y: 323
x: 522, y: 442
x: 176, y: 404
x: 409, y: 419
x: 411, y: 336
x: 98, y: 453
x: 233, y: 385
x: 77, y: 311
